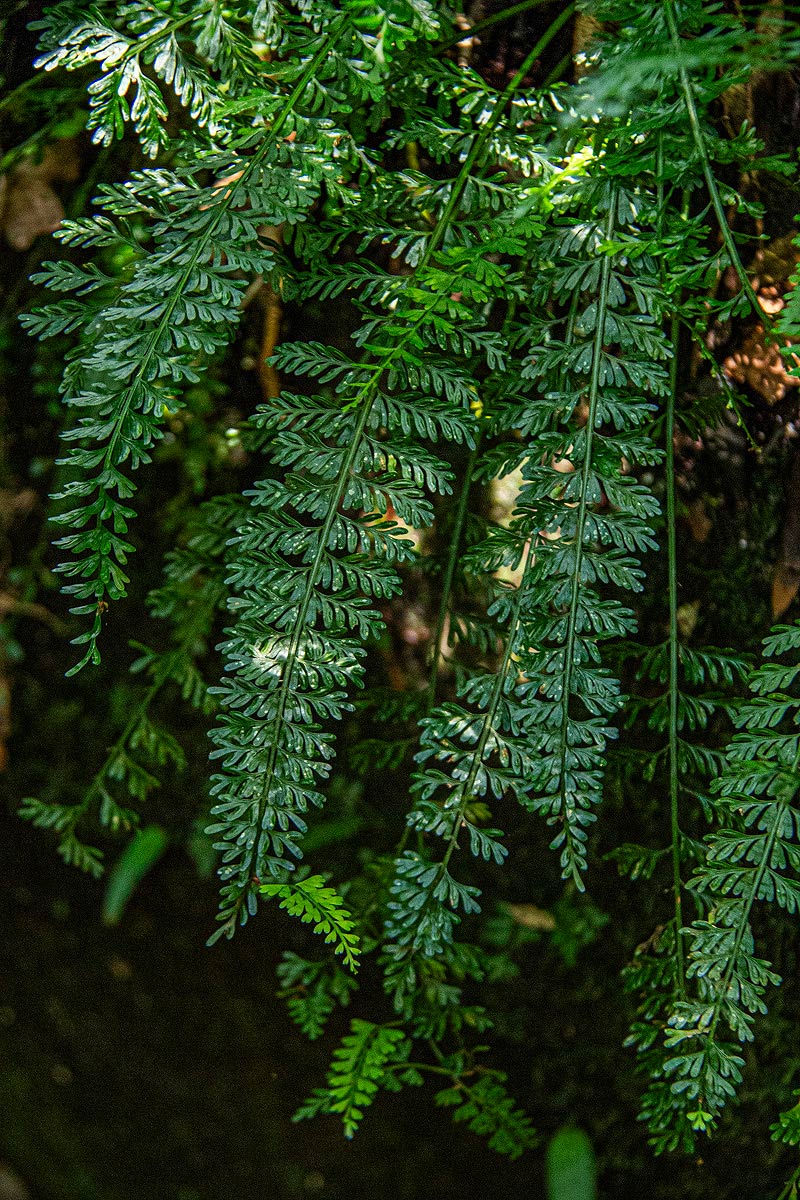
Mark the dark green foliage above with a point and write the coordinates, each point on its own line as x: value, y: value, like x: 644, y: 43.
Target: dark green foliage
x: 488, y: 1110
x: 192, y: 592
x: 752, y: 855
x: 524, y: 271
x: 312, y: 991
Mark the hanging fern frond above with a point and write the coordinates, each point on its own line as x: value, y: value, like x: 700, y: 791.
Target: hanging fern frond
x: 488, y: 1110
x: 753, y: 855
x: 176, y: 304
x: 319, y: 545
x: 357, y: 1071
x: 313, y: 902
x: 194, y: 49
x: 514, y: 275
x: 312, y: 990
x: 189, y: 599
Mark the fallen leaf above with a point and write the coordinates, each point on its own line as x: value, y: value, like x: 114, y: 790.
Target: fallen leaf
x: 785, y: 586
x: 698, y: 520
x: 30, y: 204
x: 531, y: 917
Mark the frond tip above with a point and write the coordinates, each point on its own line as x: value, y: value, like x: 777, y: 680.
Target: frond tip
x: 357, y: 1071
x: 310, y: 900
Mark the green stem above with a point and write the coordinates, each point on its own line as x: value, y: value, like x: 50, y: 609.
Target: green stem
x: 431, y: 1068
x: 711, y: 183
x: 724, y: 984
x: 14, y: 95
x: 791, y: 1186
x: 487, y: 724
x: 672, y: 574
x: 95, y: 788
x: 672, y: 569
x: 450, y: 570
x: 497, y: 113
x: 444, y: 603
x: 557, y: 71
x: 455, y: 543
x: 505, y: 14
x: 161, y: 677
x: 491, y: 711
x: 569, y: 648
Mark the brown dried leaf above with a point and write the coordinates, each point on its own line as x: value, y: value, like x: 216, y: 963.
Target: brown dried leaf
x: 785, y: 586
x: 650, y: 945
x: 531, y: 917
x: 698, y: 520
x: 30, y: 205
x: 775, y: 263
x: 687, y: 618
x: 761, y: 367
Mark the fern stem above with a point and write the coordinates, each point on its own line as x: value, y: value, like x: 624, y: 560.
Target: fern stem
x: 724, y: 984
x: 455, y: 543
x: 491, y: 710
x: 141, y: 44
x: 672, y: 584
x: 711, y: 183
x: 497, y: 113
x: 557, y: 71
x: 161, y: 677
x: 672, y: 571
x: 450, y: 570
x: 505, y: 14
x: 11, y: 97
x: 95, y: 788
x: 569, y: 646
x: 431, y: 1068
x: 790, y: 1188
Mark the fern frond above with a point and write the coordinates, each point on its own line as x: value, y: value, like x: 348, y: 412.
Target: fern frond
x: 489, y: 1111
x: 189, y: 599
x: 194, y: 49
x: 312, y: 990
x: 357, y: 1070
x: 348, y: 462
x: 180, y: 303
x: 313, y: 902
x: 753, y: 855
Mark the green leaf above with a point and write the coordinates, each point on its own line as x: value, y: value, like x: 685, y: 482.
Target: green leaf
x: 570, y: 1166
x: 313, y: 902
x: 357, y: 1071
x: 139, y: 856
